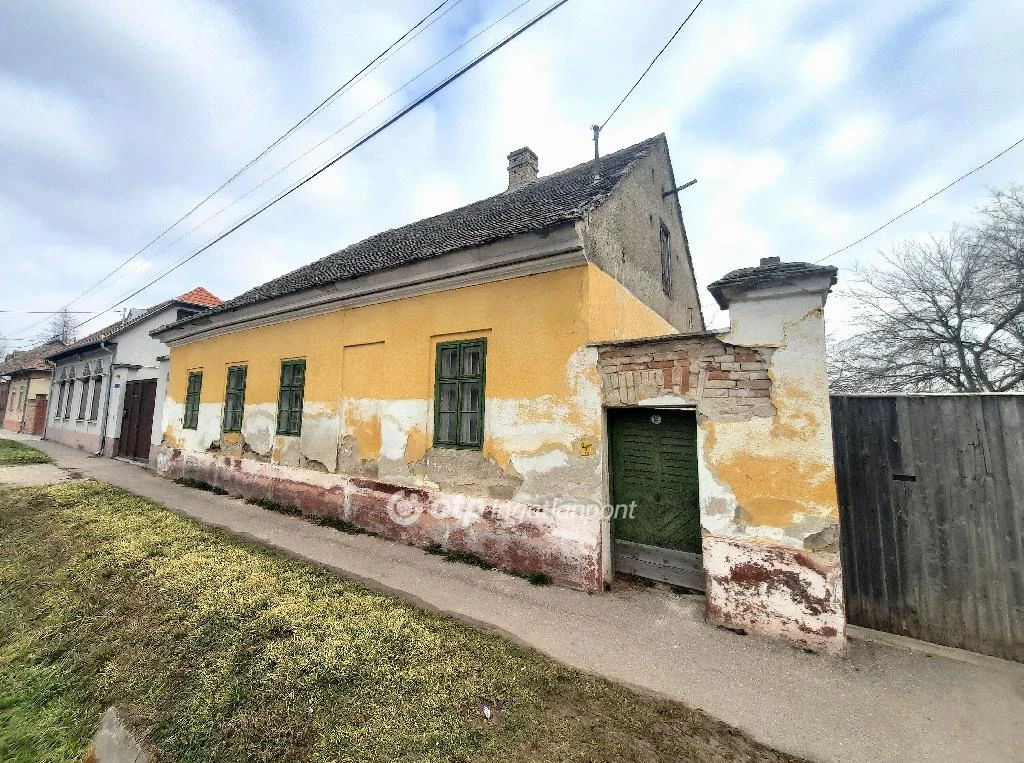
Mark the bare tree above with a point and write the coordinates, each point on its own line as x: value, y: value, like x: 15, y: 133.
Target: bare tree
x: 61, y: 326
x: 946, y: 315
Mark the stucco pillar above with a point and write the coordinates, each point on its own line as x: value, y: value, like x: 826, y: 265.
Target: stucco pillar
x: 769, y: 511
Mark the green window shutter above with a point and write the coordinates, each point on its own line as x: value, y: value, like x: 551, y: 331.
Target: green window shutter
x: 459, y: 394
x: 234, y: 399
x: 289, y: 405
x: 192, y: 394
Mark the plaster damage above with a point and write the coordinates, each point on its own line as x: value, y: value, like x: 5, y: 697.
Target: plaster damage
x: 559, y: 542
x: 769, y: 512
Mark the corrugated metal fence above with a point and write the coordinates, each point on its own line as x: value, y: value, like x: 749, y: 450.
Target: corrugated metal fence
x: 931, y: 493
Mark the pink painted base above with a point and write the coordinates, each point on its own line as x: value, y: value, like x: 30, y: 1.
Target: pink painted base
x: 516, y: 537
x: 775, y: 591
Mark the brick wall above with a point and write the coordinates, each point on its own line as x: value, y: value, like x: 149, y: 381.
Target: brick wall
x: 728, y: 382
x: 761, y: 472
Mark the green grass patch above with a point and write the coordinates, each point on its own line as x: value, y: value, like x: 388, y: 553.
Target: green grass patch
x: 14, y: 453
x: 217, y: 650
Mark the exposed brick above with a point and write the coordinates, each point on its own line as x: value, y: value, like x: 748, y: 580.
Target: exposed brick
x: 755, y: 383
x: 720, y: 384
x: 709, y: 393
x: 752, y: 366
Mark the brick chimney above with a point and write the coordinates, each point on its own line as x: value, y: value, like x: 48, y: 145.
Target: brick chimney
x: 522, y: 168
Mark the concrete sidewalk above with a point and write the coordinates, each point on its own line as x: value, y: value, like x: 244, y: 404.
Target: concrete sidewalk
x: 881, y: 704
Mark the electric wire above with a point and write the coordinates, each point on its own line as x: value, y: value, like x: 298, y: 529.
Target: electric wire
x: 338, y: 157
x: 380, y: 58
x: 921, y: 203
x: 320, y: 143
x: 651, y: 64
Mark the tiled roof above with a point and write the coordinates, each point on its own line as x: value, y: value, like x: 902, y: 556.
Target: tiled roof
x: 33, y: 359
x: 199, y: 297
x: 551, y: 200
x: 770, y: 272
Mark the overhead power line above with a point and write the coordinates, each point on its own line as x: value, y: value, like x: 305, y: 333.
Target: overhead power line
x: 651, y: 64
x: 338, y: 157
x: 277, y: 141
x: 921, y: 203
x: 321, y: 142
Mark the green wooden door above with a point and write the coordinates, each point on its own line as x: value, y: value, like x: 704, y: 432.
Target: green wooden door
x: 654, y: 463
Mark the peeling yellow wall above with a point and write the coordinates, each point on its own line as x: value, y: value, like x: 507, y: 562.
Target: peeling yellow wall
x: 536, y: 323
x: 370, y: 383
x: 614, y: 313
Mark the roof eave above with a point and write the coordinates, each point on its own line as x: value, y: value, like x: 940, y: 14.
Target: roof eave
x: 525, y: 254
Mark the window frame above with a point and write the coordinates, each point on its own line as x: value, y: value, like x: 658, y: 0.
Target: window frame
x: 190, y: 416
x: 665, y: 251
x: 69, y: 399
x: 84, y: 402
x: 459, y: 380
x: 284, y: 418
x: 61, y: 388
x: 226, y: 425
x: 97, y: 388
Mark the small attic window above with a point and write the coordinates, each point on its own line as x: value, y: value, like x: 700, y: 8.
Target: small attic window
x: 666, y: 260
x: 184, y: 313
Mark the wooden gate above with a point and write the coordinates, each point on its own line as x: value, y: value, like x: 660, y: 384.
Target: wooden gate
x: 656, y: 527
x: 38, y: 418
x: 931, y: 493
x: 137, y: 419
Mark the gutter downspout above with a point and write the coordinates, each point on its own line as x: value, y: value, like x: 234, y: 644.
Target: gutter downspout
x: 46, y: 420
x: 24, y: 404
x: 106, y: 396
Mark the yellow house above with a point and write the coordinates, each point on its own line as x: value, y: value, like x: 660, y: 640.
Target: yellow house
x: 438, y: 383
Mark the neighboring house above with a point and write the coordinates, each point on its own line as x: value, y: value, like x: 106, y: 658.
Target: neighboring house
x: 527, y: 379
x: 109, y: 387
x: 27, y: 376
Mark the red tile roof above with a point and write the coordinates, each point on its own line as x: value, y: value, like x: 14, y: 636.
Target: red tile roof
x: 200, y: 296
x: 30, y: 360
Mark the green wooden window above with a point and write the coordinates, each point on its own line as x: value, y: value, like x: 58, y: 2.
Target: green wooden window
x: 459, y: 394
x: 289, y: 406
x: 195, y: 386
x: 234, y: 399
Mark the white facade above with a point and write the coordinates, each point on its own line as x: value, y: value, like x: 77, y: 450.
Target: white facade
x: 103, y: 369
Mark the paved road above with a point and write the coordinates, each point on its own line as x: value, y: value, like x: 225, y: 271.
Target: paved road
x: 882, y: 703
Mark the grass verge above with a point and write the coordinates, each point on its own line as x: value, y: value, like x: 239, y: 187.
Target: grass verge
x: 217, y: 650
x: 14, y: 453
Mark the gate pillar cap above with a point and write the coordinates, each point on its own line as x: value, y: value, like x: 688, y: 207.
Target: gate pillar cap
x: 773, y: 278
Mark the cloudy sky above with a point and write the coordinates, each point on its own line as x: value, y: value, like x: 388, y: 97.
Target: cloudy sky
x: 807, y: 123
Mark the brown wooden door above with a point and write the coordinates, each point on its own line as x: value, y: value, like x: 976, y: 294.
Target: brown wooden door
x: 137, y: 419
x: 39, y: 415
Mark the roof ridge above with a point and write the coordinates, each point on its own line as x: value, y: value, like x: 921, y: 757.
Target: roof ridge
x: 562, y: 197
